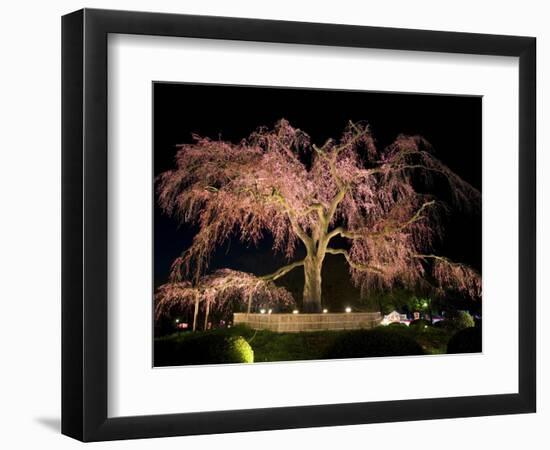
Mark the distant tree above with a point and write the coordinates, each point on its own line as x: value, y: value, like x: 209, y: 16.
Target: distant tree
x: 277, y: 181
x: 419, y: 304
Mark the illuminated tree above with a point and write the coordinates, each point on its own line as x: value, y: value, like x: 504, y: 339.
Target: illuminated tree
x: 372, y: 202
x: 220, y: 292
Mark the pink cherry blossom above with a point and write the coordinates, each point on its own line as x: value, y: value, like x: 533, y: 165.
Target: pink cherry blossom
x: 278, y: 181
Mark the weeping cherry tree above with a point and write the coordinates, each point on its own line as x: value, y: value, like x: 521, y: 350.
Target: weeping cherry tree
x: 371, y: 202
x: 220, y: 292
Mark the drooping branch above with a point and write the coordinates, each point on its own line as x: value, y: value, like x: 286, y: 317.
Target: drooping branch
x: 282, y: 271
x: 454, y: 275
x: 411, y: 156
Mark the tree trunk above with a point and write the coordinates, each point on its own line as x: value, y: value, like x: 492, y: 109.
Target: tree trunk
x: 196, y: 312
x: 206, y: 315
x: 312, y: 285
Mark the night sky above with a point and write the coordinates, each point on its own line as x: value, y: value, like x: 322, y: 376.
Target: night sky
x: 452, y: 124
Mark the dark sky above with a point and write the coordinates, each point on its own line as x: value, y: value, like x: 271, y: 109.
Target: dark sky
x: 452, y: 124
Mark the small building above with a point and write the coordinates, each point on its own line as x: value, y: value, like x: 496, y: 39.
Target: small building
x: 394, y: 317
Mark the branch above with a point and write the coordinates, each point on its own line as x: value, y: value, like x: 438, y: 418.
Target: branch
x: 344, y: 233
x: 282, y: 271
x: 359, y: 133
x: 317, y: 206
x: 405, y: 167
x: 455, y: 275
x: 445, y: 260
x: 387, y: 230
x: 308, y: 242
x: 440, y: 258
x: 336, y: 201
x: 415, y: 218
x: 356, y: 266
x: 331, y: 161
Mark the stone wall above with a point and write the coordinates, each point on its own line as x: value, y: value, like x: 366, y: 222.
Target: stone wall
x: 308, y: 322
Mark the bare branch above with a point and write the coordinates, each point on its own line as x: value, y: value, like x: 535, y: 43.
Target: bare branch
x: 344, y: 233
x: 355, y: 265
x: 282, y: 271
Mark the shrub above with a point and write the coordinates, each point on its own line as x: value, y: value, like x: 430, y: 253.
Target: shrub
x: 397, y: 325
x: 467, y: 340
x: 368, y: 343
x: 462, y: 320
x: 419, y: 324
x: 458, y: 321
x: 203, y: 349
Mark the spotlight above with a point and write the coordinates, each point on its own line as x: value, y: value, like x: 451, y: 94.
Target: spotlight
x: 262, y: 311
x: 269, y: 311
x: 295, y: 311
x: 325, y: 311
x: 348, y: 309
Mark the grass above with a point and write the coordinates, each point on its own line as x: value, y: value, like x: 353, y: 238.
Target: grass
x: 269, y: 346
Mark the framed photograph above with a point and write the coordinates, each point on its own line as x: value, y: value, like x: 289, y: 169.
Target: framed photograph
x: 273, y: 224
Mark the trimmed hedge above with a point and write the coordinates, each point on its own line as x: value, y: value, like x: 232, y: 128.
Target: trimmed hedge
x: 397, y: 325
x: 203, y: 349
x: 459, y: 321
x: 369, y: 343
x: 467, y: 340
x: 462, y: 320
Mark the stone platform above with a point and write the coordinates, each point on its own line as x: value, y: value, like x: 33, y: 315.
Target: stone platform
x: 293, y: 323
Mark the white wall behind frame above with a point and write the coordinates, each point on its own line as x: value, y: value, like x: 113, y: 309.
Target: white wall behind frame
x: 30, y: 137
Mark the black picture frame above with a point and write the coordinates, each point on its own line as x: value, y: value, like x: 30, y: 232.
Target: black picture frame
x: 84, y: 224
